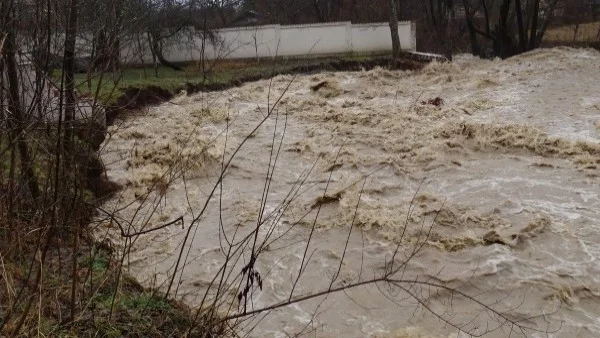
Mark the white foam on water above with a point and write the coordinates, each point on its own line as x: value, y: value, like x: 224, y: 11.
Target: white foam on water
x: 514, y: 198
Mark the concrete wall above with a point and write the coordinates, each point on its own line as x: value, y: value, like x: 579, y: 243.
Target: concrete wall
x: 315, y: 39
x: 245, y: 42
x: 377, y: 37
x: 276, y: 40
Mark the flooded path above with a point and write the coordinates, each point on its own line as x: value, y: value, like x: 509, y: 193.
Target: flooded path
x: 495, y: 185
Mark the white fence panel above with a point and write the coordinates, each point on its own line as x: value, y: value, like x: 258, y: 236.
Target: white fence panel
x: 246, y: 42
x: 315, y: 39
x: 377, y: 37
x: 276, y: 40
x: 408, y: 35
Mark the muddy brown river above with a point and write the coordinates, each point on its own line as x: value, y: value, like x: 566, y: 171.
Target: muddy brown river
x: 492, y: 191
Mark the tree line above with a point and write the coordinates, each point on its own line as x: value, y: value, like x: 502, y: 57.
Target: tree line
x: 483, y: 27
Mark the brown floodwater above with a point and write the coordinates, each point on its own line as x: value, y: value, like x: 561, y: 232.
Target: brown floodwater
x: 493, y: 192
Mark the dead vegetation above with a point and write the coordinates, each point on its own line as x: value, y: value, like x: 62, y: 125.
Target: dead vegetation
x: 106, y: 305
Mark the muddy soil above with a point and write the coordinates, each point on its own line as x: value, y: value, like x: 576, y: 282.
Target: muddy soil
x: 480, y: 175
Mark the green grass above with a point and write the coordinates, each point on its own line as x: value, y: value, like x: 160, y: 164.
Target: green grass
x: 97, y: 263
x: 133, y: 302
x: 110, y: 87
x: 223, y: 72
x: 136, y: 312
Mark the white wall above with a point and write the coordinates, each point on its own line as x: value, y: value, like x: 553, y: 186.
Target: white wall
x: 246, y: 42
x: 326, y: 38
x: 135, y: 50
x: 377, y: 37
x: 276, y: 40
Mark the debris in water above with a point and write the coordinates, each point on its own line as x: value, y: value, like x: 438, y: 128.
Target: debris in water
x: 438, y: 101
x: 326, y: 199
x: 327, y: 88
x: 493, y: 237
x: 542, y: 165
x: 319, y: 86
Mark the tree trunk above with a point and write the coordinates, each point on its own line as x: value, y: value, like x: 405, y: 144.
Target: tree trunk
x: 527, y: 16
x: 521, y: 27
x: 394, y: 29
x: 448, y: 29
x: 504, y: 12
x: 534, y: 24
x: 475, y: 48
x: 575, y: 31
x: 540, y: 34
x: 115, y: 42
x: 502, y: 39
x: 486, y: 13
x: 320, y: 15
x: 69, y: 73
x: 17, y: 121
x: 157, y: 52
x: 432, y: 13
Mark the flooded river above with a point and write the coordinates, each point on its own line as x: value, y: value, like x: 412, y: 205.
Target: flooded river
x: 480, y: 176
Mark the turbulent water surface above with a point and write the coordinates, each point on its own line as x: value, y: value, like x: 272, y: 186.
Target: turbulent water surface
x: 492, y: 190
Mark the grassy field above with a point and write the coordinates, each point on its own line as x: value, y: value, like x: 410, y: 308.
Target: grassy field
x: 582, y: 33
x: 109, y: 86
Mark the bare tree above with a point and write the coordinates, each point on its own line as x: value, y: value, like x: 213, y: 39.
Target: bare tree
x: 524, y: 15
x: 393, y: 20
x: 16, y: 114
x: 69, y: 74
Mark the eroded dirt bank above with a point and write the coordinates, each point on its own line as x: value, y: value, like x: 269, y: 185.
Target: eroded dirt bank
x: 505, y: 167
